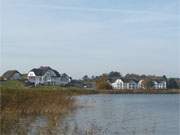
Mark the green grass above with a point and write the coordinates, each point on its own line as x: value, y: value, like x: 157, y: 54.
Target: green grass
x: 12, y: 84
x: 19, y: 85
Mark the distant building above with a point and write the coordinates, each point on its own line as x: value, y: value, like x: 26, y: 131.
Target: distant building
x: 159, y: 84
x: 123, y: 83
x: 118, y: 84
x: 11, y: 75
x: 127, y: 84
x: 47, y: 76
x: 141, y: 84
x: 178, y: 82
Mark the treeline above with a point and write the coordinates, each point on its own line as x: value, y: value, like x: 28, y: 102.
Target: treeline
x: 101, y: 80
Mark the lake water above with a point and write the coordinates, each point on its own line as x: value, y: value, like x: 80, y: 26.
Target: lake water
x: 127, y: 115
x: 109, y: 115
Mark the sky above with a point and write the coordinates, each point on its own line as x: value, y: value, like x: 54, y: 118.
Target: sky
x: 81, y: 37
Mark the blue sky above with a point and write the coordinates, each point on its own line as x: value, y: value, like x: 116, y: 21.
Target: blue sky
x: 91, y: 37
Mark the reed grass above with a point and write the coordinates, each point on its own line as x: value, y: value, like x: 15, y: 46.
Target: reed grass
x: 16, y: 104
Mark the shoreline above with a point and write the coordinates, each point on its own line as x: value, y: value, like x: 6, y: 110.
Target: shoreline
x: 17, y: 104
x: 167, y: 91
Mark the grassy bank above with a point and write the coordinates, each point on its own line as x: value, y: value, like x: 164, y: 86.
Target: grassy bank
x: 18, y: 85
x: 18, y: 104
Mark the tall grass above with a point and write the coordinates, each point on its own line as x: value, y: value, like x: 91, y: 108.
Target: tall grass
x: 15, y: 104
x: 35, y: 101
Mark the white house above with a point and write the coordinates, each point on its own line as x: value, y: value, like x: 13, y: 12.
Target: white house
x: 48, y: 76
x: 159, y: 84
x: 127, y: 84
x: 134, y: 84
x: 141, y: 84
x: 118, y: 84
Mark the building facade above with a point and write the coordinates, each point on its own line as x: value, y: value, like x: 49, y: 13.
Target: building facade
x: 47, y: 76
x: 135, y: 84
x: 159, y: 84
x: 127, y: 84
x: 12, y: 75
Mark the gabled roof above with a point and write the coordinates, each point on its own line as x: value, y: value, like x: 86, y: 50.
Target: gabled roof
x: 159, y: 81
x: 125, y: 80
x: 114, y: 80
x: 133, y: 80
x: 157, y: 78
x: 130, y: 80
x: 65, y: 77
x: 8, y: 74
x: 42, y: 70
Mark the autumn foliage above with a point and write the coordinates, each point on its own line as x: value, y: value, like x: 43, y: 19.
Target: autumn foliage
x: 102, y: 83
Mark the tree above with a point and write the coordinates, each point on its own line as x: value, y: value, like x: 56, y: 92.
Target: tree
x: 113, y: 74
x: 132, y: 76
x: 148, y: 83
x: 164, y: 76
x: 93, y: 77
x: 85, y: 78
x: 172, y: 84
x: 102, y: 83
